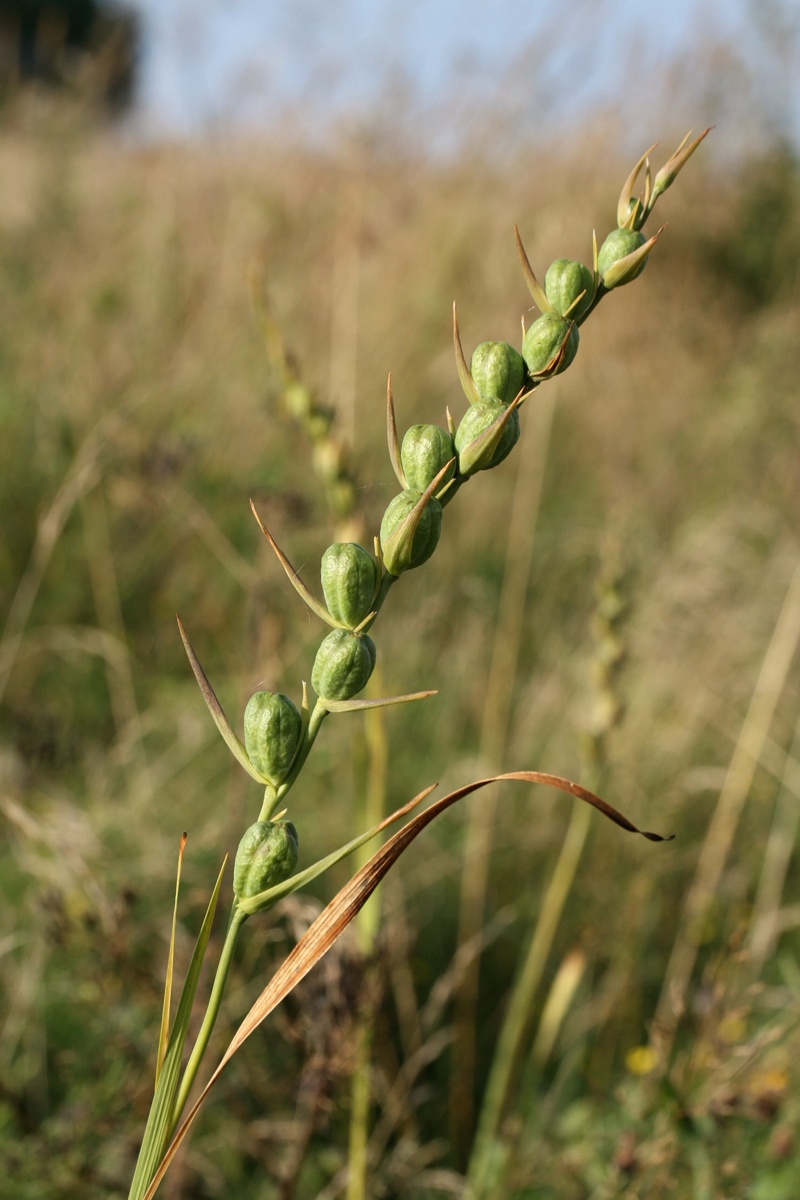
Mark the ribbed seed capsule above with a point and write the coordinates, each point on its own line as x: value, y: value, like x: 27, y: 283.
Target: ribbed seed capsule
x: 476, y: 420
x: 425, y: 450
x: 498, y: 371
x: 563, y: 284
x: 272, y: 731
x: 543, y: 341
x: 343, y: 665
x: 267, y: 855
x: 349, y: 575
x: 412, y: 550
x: 618, y: 244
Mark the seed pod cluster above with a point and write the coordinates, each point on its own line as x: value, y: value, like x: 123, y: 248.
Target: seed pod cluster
x: 432, y: 462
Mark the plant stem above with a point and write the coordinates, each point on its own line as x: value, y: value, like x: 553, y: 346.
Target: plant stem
x: 383, y: 592
x: 237, y: 920
x: 317, y: 717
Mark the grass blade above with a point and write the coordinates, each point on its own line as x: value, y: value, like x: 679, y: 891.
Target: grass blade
x: 160, y: 1121
x: 338, y: 914
x: 163, y: 1037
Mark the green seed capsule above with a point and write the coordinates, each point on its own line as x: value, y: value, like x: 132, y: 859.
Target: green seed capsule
x: 267, y: 855
x: 563, y: 284
x: 272, y: 731
x: 403, y: 553
x: 425, y: 450
x: 498, y: 371
x: 543, y: 341
x: 343, y: 665
x: 349, y: 576
x: 476, y: 420
x: 618, y: 244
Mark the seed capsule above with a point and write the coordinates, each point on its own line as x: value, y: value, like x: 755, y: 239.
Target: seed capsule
x: 563, y: 284
x: 402, y: 552
x: 498, y: 371
x: 272, y: 731
x: 618, y: 244
x: 476, y: 420
x: 425, y: 450
x: 343, y: 665
x: 547, y: 336
x: 349, y: 575
x: 267, y: 855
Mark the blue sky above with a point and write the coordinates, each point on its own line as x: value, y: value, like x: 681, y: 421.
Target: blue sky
x: 209, y: 65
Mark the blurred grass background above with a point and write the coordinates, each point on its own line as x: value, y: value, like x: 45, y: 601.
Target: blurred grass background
x: 648, y: 520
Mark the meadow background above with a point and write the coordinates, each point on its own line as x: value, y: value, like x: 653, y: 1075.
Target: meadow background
x: 619, y: 602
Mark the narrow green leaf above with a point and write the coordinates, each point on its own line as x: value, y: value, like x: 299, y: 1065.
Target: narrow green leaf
x: 160, y: 1122
x: 163, y: 1036
x: 345, y: 906
x: 356, y: 705
x: 271, y: 896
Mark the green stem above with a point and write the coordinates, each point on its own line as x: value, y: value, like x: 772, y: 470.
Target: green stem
x: 383, y: 592
x: 317, y: 717
x: 269, y: 803
x: 235, y: 924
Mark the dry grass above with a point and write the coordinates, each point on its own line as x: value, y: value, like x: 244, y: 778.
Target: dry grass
x: 129, y: 343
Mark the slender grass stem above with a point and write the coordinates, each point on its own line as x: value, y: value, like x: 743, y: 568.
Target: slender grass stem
x: 512, y: 1036
x: 725, y: 820
x: 494, y: 736
x: 318, y: 715
x: 235, y: 924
